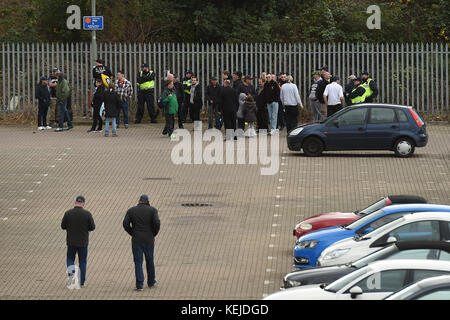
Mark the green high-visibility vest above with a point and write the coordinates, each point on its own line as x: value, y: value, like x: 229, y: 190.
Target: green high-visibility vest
x: 359, y: 99
x: 148, y: 84
x: 187, y: 86
x: 366, y: 85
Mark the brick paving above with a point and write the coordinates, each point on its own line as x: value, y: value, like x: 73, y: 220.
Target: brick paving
x: 239, y: 248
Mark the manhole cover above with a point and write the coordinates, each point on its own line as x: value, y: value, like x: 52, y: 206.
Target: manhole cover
x: 196, y: 204
x: 157, y: 179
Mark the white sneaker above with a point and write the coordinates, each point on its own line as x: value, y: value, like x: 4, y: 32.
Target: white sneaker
x: 48, y: 128
x: 41, y: 128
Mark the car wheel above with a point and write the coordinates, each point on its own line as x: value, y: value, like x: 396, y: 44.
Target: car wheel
x: 404, y: 147
x: 313, y: 147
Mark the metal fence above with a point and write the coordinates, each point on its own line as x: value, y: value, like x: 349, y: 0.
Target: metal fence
x: 407, y: 74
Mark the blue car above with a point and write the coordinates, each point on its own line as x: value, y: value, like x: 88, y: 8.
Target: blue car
x: 308, y: 248
x: 363, y: 127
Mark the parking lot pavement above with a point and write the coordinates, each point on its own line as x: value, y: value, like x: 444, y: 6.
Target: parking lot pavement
x: 237, y: 246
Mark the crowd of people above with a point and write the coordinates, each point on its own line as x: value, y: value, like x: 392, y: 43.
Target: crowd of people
x: 234, y: 103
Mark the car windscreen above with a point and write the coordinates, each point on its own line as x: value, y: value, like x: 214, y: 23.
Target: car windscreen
x: 373, y: 207
x: 342, y: 282
x: 363, y: 220
x: 377, y: 255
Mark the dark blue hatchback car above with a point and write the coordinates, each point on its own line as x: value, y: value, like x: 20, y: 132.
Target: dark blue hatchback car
x: 363, y: 127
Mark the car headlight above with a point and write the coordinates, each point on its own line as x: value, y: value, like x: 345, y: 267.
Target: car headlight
x: 308, y: 244
x: 296, y: 131
x: 305, y: 226
x: 335, y: 254
x: 292, y: 283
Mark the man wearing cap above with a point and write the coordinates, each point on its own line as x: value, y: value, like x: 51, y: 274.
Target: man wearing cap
x: 78, y: 222
x: 42, y: 93
x: 348, y: 88
x: 142, y: 224
x: 187, y: 83
x: 313, y: 101
x: 370, y: 86
x: 358, y: 93
x: 213, y: 97
x: 146, y: 94
x: 333, y: 96
x: 237, y: 81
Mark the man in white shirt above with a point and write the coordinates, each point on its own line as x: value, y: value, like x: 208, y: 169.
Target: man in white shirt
x: 333, y: 96
x: 290, y: 98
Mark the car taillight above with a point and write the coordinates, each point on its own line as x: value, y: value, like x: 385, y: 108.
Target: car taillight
x: 416, y: 117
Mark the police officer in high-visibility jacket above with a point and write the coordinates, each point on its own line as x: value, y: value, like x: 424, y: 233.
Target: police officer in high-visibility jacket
x: 358, y: 94
x: 187, y: 83
x: 146, y: 93
x: 370, y: 86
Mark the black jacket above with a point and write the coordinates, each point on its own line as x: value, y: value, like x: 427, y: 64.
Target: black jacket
x: 78, y: 222
x: 250, y: 89
x: 97, y: 99
x: 237, y: 84
x: 43, y: 95
x: 142, y: 223
x: 228, y: 101
x: 271, y: 91
x: 321, y: 85
x: 97, y: 72
x: 213, y: 93
x: 250, y: 112
x: 178, y: 86
x: 198, y: 101
x: 348, y: 89
x: 112, y: 103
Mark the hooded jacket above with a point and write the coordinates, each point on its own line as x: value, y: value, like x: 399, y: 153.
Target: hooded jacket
x: 112, y: 103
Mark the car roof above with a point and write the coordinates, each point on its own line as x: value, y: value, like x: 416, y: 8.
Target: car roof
x: 414, y: 206
x: 381, y: 265
x: 433, y: 281
x: 406, y: 199
x: 427, y: 215
x: 379, y: 104
x: 423, y: 244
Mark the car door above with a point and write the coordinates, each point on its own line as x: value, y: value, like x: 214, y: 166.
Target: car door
x: 382, y: 128
x: 347, y: 131
x: 378, y: 285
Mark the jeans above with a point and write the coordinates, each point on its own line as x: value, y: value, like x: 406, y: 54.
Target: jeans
x: 140, y: 250
x: 114, y: 125
x: 213, y: 112
x: 281, y: 116
x: 63, y: 112
x: 273, y: 114
x: 82, y: 260
x: 42, y: 114
x: 96, y: 119
x: 315, y: 109
x: 124, y: 108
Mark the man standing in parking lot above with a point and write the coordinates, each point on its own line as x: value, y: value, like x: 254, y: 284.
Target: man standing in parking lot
x: 142, y: 224
x: 78, y: 222
x: 370, y: 86
x: 333, y: 96
x: 321, y: 85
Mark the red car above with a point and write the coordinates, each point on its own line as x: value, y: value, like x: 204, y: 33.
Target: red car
x: 333, y: 219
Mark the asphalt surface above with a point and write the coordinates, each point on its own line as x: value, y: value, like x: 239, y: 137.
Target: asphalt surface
x: 237, y: 246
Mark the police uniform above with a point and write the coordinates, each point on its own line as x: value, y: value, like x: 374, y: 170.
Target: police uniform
x: 146, y: 93
x: 187, y: 84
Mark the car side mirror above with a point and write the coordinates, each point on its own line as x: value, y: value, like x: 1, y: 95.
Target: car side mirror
x: 355, y: 291
x: 336, y: 123
x: 391, y: 240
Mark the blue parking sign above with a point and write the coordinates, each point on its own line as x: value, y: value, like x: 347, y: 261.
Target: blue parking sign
x: 92, y: 23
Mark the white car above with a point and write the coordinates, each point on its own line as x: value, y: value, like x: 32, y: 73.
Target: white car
x: 373, y: 282
x: 436, y: 288
x: 415, y: 226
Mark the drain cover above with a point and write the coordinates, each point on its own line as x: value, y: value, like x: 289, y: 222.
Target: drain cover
x: 196, y: 204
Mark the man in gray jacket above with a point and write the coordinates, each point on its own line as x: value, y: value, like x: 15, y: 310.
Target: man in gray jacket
x: 142, y: 224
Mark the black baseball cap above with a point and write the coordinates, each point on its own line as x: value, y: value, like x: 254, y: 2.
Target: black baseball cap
x: 144, y: 198
x: 364, y: 73
x: 357, y: 79
x: 80, y: 199
x: 238, y: 73
x: 213, y: 78
x: 99, y: 61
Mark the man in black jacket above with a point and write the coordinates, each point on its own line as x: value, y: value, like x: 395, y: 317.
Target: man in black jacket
x: 321, y: 85
x: 100, y: 69
x: 43, y: 96
x: 271, y: 96
x: 213, y: 97
x: 180, y: 97
x: 78, y: 222
x: 142, y: 224
x: 146, y: 94
x: 195, y: 102
x: 228, y: 109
